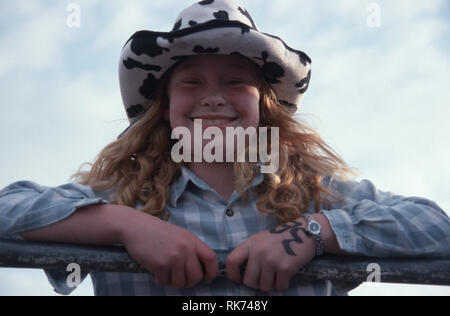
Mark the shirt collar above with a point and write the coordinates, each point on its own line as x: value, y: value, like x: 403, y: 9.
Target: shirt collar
x: 179, y: 186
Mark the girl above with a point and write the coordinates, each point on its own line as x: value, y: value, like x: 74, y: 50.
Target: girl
x: 172, y: 217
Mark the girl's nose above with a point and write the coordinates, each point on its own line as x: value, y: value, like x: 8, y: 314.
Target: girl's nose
x: 213, y: 98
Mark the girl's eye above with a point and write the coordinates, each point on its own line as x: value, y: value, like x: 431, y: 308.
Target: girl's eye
x: 235, y: 82
x: 190, y: 81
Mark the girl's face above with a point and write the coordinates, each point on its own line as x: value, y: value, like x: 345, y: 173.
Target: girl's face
x: 221, y: 90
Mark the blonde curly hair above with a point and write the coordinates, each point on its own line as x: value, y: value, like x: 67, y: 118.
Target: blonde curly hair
x: 140, y: 166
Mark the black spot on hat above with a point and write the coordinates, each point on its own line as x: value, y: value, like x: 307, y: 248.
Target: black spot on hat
x: 304, y: 83
x: 145, y: 42
x: 135, y: 111
x: 221, y: 15
x: 131, y: 63
x: 201, y: 50
x: 206, y: 2
x: 239, y: 54
x: 245, y: 28
x: 177, y: 25
x: 149, y: 86
x: 180, y: 58
x: 271, y: 70
x: 192, y: 23
x: 303, y: 57
x: 247, y: 15
x: 288, y: 105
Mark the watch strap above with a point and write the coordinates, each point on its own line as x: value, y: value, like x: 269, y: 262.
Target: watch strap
x: 317, y: 239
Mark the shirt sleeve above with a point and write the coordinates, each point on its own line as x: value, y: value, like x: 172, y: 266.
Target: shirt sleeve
x: 26, y: 206
x: 381, y: 224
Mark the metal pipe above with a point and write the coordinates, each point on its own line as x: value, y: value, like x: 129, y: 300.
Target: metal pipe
x: 347, y: 270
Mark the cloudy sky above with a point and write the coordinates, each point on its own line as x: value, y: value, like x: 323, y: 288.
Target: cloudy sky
x: 379, y: 95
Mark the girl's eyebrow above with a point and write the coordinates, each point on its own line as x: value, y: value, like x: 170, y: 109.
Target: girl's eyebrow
x: 187, y: 66
x: 236, y: 66
x: 247, y: 68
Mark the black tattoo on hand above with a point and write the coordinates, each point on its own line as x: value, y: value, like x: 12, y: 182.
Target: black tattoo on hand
x: 293, y: 228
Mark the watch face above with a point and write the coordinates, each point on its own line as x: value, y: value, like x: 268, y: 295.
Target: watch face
x: 314, y: 228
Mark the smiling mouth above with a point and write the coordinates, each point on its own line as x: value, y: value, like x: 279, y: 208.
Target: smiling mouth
x: 215, y: 121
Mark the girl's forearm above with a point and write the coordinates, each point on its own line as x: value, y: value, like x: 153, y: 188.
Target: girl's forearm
x: 329, y: 239
x: 106, y: 224
x: 95, y: 225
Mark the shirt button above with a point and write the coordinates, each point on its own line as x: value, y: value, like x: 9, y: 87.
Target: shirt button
x: 229, y: 212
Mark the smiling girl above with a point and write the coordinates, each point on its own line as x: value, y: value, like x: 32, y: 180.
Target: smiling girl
x: 173, y: 217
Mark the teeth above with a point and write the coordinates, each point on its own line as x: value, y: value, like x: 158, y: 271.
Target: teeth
x: 215, y: 122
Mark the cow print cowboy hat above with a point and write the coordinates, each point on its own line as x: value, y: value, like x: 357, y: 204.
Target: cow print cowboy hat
x: 209, y: 27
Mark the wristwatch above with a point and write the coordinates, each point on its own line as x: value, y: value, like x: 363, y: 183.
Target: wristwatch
x: 313, y: 229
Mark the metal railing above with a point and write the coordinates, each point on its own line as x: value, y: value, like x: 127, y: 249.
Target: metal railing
x: 346, y: 270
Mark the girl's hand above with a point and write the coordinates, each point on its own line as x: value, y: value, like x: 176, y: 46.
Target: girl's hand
x: 273, y: 257
x: 172, y: 254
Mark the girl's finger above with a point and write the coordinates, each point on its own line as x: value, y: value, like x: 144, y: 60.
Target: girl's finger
x: 234, y: 261
x: 208, y: 258
x: 194, y: 273
x: 282, y: 281
x: 252, y: 272
x: 177, y: 275
x: 161, y: 277
x: 267, y: 278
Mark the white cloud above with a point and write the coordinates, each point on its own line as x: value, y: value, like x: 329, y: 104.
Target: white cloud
x: 36, y: 42
x: 405, y: 9
x: 383, y: 102
x: 368, y: 289
x: 27, y: 282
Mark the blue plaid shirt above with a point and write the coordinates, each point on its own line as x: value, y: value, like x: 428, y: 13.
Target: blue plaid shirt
x: 368, y: 222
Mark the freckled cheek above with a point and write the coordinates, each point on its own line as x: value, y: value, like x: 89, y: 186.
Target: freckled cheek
x: 179, y: 109
x: 248, y: 110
